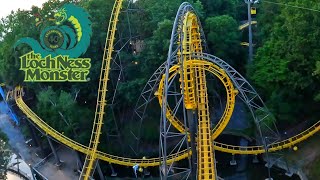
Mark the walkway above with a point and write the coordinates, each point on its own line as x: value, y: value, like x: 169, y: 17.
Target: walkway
x: 18, y: 146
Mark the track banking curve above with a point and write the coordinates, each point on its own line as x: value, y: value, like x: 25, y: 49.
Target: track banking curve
x: 288, y: 143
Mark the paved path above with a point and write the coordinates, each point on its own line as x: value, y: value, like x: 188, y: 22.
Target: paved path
x: 18, y: 146
x: 16, y: 138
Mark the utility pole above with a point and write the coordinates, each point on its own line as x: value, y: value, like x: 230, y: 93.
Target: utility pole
x: 250, y: 33
x: 250, y: 59
x: 249, y: 2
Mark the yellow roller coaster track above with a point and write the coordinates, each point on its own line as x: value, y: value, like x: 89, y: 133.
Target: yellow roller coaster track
x: 206, y: 164
x: 288, y: 143
x: 195, y: 94
x: 195, y: 87
x: 220, y: 74
x: 88, y: 167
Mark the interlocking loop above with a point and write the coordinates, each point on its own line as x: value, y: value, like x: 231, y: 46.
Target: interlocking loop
x: 197, y: 66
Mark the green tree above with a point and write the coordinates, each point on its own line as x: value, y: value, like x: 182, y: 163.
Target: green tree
x: 223, y: 39
x: 283, y: 67
x: 5, y: 155
x: 13, y: 27
x: 220, y: 7
x: 317, y: 73
x: 60, y: 111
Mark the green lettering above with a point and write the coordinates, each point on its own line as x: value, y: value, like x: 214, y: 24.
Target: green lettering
x: 32, y: 75
x: 63, y: 62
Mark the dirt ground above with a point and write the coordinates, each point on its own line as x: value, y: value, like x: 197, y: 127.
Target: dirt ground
x: 64, y: 172
x: 307, y: 157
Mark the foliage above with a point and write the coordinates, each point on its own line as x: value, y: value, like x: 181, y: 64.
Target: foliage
x: 220, y: 7
x: 286, y: 69
x: 314, y: 169
x: 224, y: 38
x: 58, y: 109
x: 4, y: 155
x: 284, y: 65
x: 317, y: 73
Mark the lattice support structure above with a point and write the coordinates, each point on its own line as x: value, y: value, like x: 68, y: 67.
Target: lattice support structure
x: 185, y: 39
x: 187, y: 65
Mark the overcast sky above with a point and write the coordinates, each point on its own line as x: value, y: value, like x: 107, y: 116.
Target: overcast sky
x: 8, y: 5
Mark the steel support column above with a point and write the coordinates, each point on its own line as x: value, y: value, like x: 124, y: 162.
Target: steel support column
x: 58, y: 162
x: 250, y: 33
x: 192, y: 121
x: 100, y: 171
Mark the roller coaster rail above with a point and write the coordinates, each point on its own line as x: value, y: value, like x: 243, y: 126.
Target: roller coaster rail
x: 187, y: 57
x: 254, y: 150
x: 90, y: 161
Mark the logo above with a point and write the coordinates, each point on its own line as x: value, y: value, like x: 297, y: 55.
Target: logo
x: 55, y: 57
x: 53, y: 39
x: 57, y: 69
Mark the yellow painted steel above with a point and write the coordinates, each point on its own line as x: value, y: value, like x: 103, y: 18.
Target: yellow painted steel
x: 189, y: 45
x: 206, y: 164
x: 222, y: 76
x: 288, y: 143
x: 84, y: 149
x: 195, y: 95
x: 88, y: 167
x: 253, y: 10
x: 192, y: 45
x: 247, y: 24
x: 195, y: 98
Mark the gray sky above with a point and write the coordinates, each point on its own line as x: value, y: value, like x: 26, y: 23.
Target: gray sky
x: 8, y: 5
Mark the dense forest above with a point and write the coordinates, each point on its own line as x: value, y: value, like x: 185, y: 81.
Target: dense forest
x: 285, y: 69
